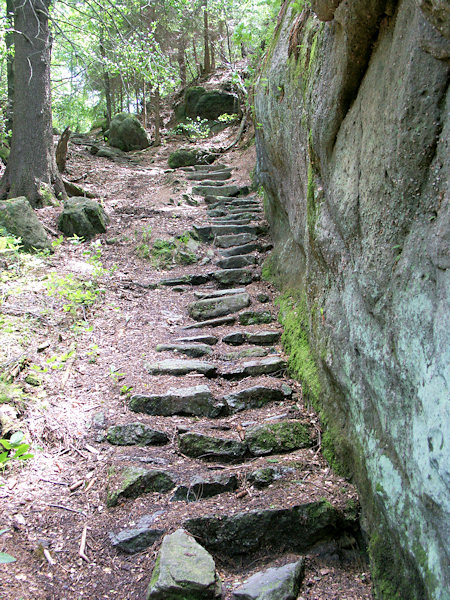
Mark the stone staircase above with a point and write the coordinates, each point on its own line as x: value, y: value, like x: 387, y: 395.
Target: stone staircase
x: 232, y: 475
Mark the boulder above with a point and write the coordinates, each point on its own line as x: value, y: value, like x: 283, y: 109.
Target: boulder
x: 127, y: 133
x: 185, y: 158
x: 277, y: 583
x: 19, y: 219
x: 206, y: 104
x: 135, y: 434
x: 184, y: 570
x: 83, y: 217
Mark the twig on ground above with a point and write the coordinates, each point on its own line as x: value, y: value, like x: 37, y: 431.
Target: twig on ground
x: 48, y: 557
x: 83, y: 544
x: 74, y: 510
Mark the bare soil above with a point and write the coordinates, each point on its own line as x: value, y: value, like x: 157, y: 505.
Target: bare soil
x: 89, y: 362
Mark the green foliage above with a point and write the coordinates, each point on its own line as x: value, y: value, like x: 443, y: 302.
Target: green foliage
x: 164, y: 254
x: 15, y: 449
x: 114, y: 374
x: 6, y: 558
x: 193, y: 129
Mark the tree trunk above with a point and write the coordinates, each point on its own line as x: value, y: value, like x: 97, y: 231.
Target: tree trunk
x: 31, y: 169
x: 9, y: 42
x: 106, y: 82
x: 157, y: 141
x: 61, y: 150
x: 207, y: 59
x: 181, y: 57
x: 144, y: 104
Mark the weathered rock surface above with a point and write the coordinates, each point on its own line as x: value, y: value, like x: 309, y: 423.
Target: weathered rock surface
x: 181, y: 367
x: 253, y: 397
x: 209, y: 232
x: 191, y: 401
x: 193, y: 350
x: 277, y: 437
x: 212, y: 323
x: 185, y: 157
x: 219, y: 293
x: 237, y: 338
x: 228, y: 277
x: 135, y: 434
x: 276, y: 583
x: 295, y: 528
x: 204, y: 487
x: 265, y: 366
x: 127, y: 133
x: 131, y: 482
x: 238, y: 239
x: 244, y: 249
x: 20, y: 220
x: 83, y: 217
x: 211, y: 340
x: 194, y: 279
x: 256, y: 351
x: 354, y: 187
x: 210, y: 308
x: 213, y: 176
x: 263, y: 337
x: 264, y: 476
x: 255, y: 317
x: 209, y: 190
x: 183, y: 571
x: 204, y: 104
x: 138, y: 538
x: 198, y: 445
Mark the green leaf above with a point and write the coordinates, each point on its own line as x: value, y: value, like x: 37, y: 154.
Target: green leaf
x: 16, y: 438
x: 6, y: 558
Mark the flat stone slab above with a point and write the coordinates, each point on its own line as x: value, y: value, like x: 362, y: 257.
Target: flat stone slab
x: 135, y: 434
x: 184, y: 570
x: 255, y: 317
x: 131, y: 482
x: 276, y: 583
x: 212, y: 323
x: 229, y: 277
x: 262, y: 338
x: 198, y: 445
x: 211, y: 190
x: 213, y: 176
x: 238, y: 239
x: 181, y: 367
x: 237, y: 338
x: 255, y: 352
x: 230, y: 203
x: 207, y: 233
x: 138, y: 538
x: 232, y: 221
x: 244, y: 249
x: 293, y: 529
x: 185, y: 280
x: 204, y: 487
x: 237, y: 262
x: 188, y: 349
x: 219, y: 293
x: 208, y: 182
x: 252, y: 397
x: 275, y: 438
x: 211, y: 340
x: 189, y: 401
x: 216, y: 167
x: 210, y: 308
x: 265, y: 366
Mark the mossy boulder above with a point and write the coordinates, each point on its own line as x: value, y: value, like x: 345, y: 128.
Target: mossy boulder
x: 184, y: 157
x: 206, y: 104
x: 83, y: 217
x: 127, y: 133
x: 277, y: 437
x: 19, y: 219
x: 256, y: 317
x: 131, y: 482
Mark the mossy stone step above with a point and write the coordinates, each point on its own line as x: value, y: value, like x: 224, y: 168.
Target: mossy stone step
x: 237, y: 262
x: 254, y: 352
x: 265, y: 366
x: 229, y: 277
x: 135, y: 434
x: 205, y: 487
x: 238, y: 239
x: 264, y: 476
x: 131, y: 482
x: 192, y: 350
x: 198, y: 445
x: 184, y: 570
x: 293, y: 529
x: 190, y: 401
x: 252, y: 397
x: 254, y: 317
x: 210, y: 308
x: 181, y: 367
x: 275, y: 438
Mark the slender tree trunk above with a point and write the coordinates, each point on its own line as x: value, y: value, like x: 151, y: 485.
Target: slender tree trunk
x: 207, y: 58
x: 144, y: 104
x: 31, y: 169
x: 157, y: 141
x: 106, y: 82
x: 213, y: 56
x: 9, y: 42
x: 181, y: 57
x: 223, y: 55
x: 194, y: 51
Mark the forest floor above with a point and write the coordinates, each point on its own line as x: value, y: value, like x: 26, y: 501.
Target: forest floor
x: 88, y: 360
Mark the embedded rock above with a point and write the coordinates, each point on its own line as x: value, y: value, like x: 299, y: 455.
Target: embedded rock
x: 255, y: 317
x: 131, y: 482
x: 209, y: 308
x: 219, y: 293
x: 253, y: 397
x: 277, y: 437
x: 244, y: 249
x: 237, y: 262
x: 135, y: 434
x: 264, y: 476
x: 212, y: 323
x: 204, y: 487
x: 238, y: 239
x: 181, y: 367
x: 227, y: 277
x: 265, y: 366
x: 198, y: 445
x: 263, y: 337
x: 138, y: 538
x: 185, y: 158
x: 211, y: 340
x: 192, y: 350
x: 277, y: 583
x: 189, y: 401
x: 226, y: 190
x: 82, y: 217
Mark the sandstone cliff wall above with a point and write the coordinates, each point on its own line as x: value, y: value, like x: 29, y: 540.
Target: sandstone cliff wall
x: 353, y: 127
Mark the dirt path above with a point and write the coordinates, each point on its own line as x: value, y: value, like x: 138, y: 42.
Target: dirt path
x: 103, y: 356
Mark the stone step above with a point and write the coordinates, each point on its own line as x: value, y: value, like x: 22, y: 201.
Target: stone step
x: 223, y: 221
x: 211, y: 340
x: 135, y: 434
x: 244, y: 249
x: 215, y: 167
x: 275, y: 583
x: 238, y: 239
x: 230, y: 277
x: 237, y: 262
x: 209, y: 308
x: 254, y: 352
x: 210, y: 190
x: 215, y: 201
x: 238, y: 338
x: 233, y: 219
x: 195, y: 279
x: 265, y: 366
x: 212, y: 323
x: 178, y: 367
x: 194, y: 401
x: 294, y: 529
x: 206, y: 183
x: 199, y: 445
x: 131, y: 482
x: 138, y: 538
x: 205, y: 487
x: 255, y: 317
x: 192, y: 350
x: 211, y: 175
x: 207, y: 233
x: 219, y: 293
x: 253, y: 397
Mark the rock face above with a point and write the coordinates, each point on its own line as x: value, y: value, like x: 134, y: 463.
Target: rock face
x: 19, y: 219
x: 83, y: 217
x: 355, y: 186
x: 126, y: 133
x: 183, y: 570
